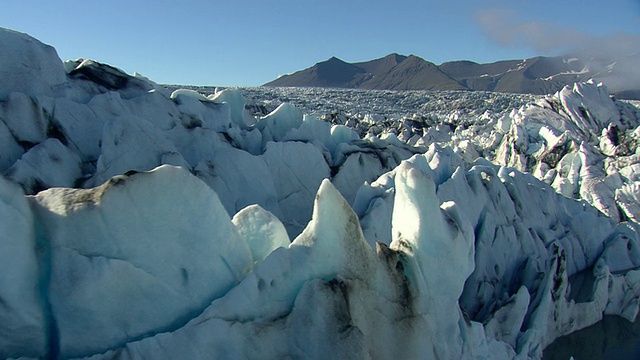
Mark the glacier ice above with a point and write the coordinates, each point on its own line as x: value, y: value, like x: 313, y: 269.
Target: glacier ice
x: 261, y: 231
x: 23, y: 318
x: 48, y: 164
x: 137, y: 259
x: 145, y: 222
x: 240, y: 179
x: 236, y: 101
x: 29, y: 66
x: 132, y: 143
x: 297, y: 169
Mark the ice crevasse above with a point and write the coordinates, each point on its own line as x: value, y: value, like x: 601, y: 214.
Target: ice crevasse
x: 178, y: 226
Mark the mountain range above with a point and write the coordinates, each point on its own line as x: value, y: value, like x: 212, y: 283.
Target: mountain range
x: 538, y: 75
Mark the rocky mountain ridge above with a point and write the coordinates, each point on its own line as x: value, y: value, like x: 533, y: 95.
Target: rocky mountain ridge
x: 538, y: 75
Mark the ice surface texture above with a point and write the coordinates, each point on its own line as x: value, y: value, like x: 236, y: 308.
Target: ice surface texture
x: 402, y: 241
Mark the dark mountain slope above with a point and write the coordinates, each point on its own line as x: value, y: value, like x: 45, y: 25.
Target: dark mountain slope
x: 538, y: 75
x: 331, y: 73
x: 392, y: 72
x: 413, y: 73
x: 382, y: 65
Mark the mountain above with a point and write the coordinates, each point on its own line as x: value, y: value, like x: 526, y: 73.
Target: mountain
x: 393, y: 71
x: 409, y: 74
x: 139, y: 222
x: 538, y: 75
x: 383, y: 64
x: 331, y: 73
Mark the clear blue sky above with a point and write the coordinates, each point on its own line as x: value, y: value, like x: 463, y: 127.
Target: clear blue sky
x: 250, y: 42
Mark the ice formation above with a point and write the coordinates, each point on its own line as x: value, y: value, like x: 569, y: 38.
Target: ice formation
x: 140, y: 222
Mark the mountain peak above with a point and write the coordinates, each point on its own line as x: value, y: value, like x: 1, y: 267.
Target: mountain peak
x: 396, y: 57
x: 415, y: 58
x: 334, y: 59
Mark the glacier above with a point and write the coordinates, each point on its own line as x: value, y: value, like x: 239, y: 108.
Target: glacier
x: 141, y: 221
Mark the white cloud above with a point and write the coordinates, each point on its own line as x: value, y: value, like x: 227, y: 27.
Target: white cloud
x: 507, y: 29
